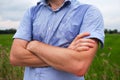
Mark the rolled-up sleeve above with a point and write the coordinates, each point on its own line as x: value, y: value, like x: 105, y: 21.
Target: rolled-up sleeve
x: 25, y: 28
x: 94, y: 24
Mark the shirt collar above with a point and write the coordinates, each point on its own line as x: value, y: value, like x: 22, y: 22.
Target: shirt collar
x: 44, y: 2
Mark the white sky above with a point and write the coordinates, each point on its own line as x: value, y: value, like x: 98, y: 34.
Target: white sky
x: 11, y: 12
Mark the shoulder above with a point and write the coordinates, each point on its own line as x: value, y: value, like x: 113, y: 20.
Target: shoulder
x: 33, y: 8
x: 87, y: 7
x: 93, y: 11
x: 90, y: 9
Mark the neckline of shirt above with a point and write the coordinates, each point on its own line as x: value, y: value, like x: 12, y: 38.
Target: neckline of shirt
x: 66, y: 2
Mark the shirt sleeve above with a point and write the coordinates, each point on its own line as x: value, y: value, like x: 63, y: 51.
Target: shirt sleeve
x: 25, y: 28
x: 94, y: 24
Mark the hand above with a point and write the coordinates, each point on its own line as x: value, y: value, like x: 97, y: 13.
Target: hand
x: 31, y: 45
x: 82, y: 44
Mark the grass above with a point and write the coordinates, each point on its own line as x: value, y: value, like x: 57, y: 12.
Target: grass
x: 112, y: 47
x: 106, y: 65
x: 6, y: 40
x: 7, y: 71
x: 103, y: 68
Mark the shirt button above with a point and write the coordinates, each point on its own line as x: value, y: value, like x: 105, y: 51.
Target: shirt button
x: 49, y: 28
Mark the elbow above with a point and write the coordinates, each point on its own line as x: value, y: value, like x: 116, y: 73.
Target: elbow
x: 79, y: 70
x: 13, y: 60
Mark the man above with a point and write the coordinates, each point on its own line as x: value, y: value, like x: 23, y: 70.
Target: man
x: 57, y: 40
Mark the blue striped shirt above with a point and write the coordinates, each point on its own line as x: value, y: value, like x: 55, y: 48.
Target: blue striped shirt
x: 59, y: 28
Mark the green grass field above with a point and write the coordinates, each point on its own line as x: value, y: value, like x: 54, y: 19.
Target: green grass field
x: 6, y: 40
x: 112, y: 43
x: 106, y: 65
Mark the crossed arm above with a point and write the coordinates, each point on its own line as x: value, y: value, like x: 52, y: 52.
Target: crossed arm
x: 75, y: 59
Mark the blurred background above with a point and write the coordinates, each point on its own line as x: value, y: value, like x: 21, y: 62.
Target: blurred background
x: 106, y: 65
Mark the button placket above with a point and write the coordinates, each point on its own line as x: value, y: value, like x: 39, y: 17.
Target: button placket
x: 50, y: 27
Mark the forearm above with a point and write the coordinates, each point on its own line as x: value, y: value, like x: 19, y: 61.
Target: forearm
x: 61, y: 58
x: 20, y: 56
x: 53, y: 56
x: 26, y: 58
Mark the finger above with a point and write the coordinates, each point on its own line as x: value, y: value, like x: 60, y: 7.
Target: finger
x: 84, y: 41
x: 72, y: 47
x: 82, y: 35
x: 82, y: 49
x: 78, y: 37
x: 91, y: 45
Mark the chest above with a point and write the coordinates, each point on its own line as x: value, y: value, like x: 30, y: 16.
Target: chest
x: 51, y: 27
